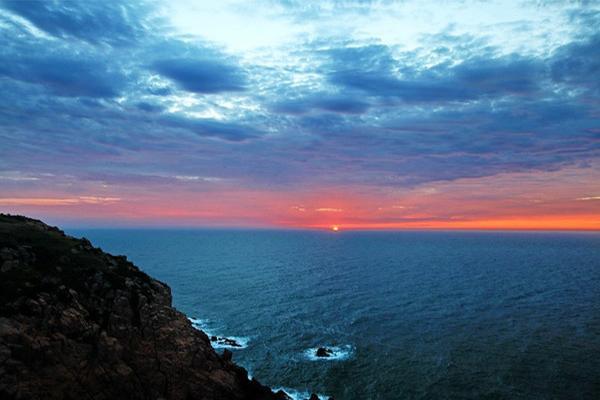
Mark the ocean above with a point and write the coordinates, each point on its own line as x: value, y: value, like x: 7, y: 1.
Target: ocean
x: 408, y: 315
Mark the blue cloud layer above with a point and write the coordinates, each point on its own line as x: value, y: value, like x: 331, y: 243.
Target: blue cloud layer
x: 372, y: 70
x: 202, y: 76
x: 94, y: 22
x: 111, y: 90
x: 64, y: 75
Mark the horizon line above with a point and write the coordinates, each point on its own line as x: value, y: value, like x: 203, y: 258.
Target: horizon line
x: 318, y: 229
x: 508, y: 225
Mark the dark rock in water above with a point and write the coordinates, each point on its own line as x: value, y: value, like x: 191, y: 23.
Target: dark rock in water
x: 230, y: 342
x: 324, y: 352
x: 225, y: 341
x: 227, y: 355
x: 78, y: 323
x: 313, y: 397
x: 281, y: 395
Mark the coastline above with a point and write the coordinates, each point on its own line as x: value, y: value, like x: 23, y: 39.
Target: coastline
x: 78, y: 322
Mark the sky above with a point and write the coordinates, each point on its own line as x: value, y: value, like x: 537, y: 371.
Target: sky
x: 299, y: 114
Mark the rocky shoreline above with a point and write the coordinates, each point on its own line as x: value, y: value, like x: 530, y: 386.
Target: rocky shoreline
x: 78, y: 323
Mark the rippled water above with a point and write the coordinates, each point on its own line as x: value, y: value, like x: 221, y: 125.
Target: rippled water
x: 411, y: 315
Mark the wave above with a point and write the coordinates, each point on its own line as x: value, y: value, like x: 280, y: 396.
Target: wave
x: 202, y: 325
x: 338, y: 353
x: 299, y: 395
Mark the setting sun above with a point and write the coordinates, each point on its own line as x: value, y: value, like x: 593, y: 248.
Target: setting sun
x: 335, y: 228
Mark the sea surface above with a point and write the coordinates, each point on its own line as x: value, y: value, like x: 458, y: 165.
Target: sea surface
x: 409, y: 315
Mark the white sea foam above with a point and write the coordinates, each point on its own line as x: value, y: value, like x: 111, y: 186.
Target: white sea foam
x: 197, y: 322
x: 339, y: 353
x: 242, y: 341
x: 299, y: 395
x: 202, y: 325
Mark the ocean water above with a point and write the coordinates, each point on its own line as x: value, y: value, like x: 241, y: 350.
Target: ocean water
x: 409, y: 315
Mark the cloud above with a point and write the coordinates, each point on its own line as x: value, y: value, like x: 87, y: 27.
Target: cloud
x: 198, y: 178
x: 97, y: 200
x: 149, y: 107
x: 94, y: 22
x: 113, y: 94
x: 202, y: 75
x: 577, y: 63
x: 328, y: 209
x: 64, y: 75
x: 335, y: 104
x: 589, y: 198
x: 373, y: 70
x: 17, y: 176
x: 211, y: 128
x: 40, y: 201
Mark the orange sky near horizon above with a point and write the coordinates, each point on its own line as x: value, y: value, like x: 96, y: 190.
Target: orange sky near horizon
x: 568, y: 199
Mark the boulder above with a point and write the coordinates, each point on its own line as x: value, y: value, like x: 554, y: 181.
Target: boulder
x: 230, y: 342
x: 323, y: 352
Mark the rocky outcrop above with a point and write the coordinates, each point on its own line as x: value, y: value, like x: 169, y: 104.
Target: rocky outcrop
x: 323, y: 352
x: 77, y: 323
x: 225, y: 341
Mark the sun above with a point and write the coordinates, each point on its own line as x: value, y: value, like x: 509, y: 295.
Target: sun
x: 335, y: 228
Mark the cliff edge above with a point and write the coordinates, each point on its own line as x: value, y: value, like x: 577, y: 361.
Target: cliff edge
x: 78, y: 323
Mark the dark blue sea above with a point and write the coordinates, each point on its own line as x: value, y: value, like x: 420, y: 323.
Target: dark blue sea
x: 409, y: 315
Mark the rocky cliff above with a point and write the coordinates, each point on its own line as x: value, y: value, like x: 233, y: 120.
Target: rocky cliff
x: 77, y: 323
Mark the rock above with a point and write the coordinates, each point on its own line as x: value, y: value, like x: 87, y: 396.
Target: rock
x: 313, y: 397
x: 225, y: 341
x: 79, y: 323
x: 323, y: 352
x: 8, y: 254
x: 123, y: 370
x: 281, y: 395
x: 227, y: 355
x: 9, y: 265
x: 230, y: 342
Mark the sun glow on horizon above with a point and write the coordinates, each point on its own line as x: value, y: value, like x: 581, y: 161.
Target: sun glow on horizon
x: 335, y: 228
